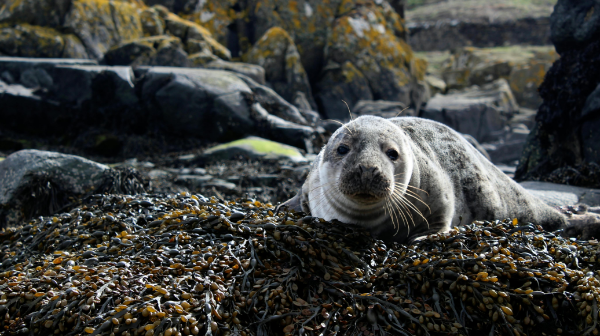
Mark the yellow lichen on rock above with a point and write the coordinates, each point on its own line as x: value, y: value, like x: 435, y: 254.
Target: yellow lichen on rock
x: 33, y: 41
x: 185, y: 29
x: 364, y: 38
x: 102, y: 24
x: 276, y: 52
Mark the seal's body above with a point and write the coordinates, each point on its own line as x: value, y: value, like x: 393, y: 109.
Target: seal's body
x: 406, y: 177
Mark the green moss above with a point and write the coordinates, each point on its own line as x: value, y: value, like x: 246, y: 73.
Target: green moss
x: 1, y: 159
x: 260, y: 146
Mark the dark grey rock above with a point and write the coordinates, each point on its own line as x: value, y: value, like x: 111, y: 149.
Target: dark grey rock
x: 339, y: 83
x: 186, y: 100
x: 482, y: 112
x: 382, y: 108
x: 574, y: 24
x: 255, y: 72
x: 273, y: 102
x: 592, y: 103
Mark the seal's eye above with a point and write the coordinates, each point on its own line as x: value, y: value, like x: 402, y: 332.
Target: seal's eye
x: 343, y: 150
x: 392, y: 154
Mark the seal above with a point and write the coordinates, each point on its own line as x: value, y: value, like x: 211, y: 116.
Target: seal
x: 407, y: 177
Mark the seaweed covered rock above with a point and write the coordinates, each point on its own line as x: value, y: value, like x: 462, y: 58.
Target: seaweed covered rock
x: 177, y: 263
x: 276, y: 52
x: 565, y: 131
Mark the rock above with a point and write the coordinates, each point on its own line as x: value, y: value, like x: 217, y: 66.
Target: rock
x: 276, y: 52
x: 185, y: 30
x: 447, y: 24
x: 574, y: 24
x: 102, y: 24
x: 436, y: 85
x: 156, y: 50
x: 341, y: 83
x: 189, y: 99
x: 482, y: 112
x: 523, y: 67
x: 455, y: 33
x: 592, y: 103
x: 254, y: 148
x: 273, y: 102
x: 33, y: 41
x: 301, y: 102
x: 153, y: 23
x: 560, y: 195
x: 365, y: 38
x: 47, y: 13
x: 322, y: 35
x: 255, y: 72
x: 116, y: 107
x: 563, y: 136
x: 278, y: 129
x: 23, y: 171
x: 381, y: 108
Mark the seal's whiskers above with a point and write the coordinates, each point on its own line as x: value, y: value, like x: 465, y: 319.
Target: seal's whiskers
x: 414, y: 195
x: 398, y: 199
x: 349, y: 112
x: 343, y: 125
x: 412, y: 206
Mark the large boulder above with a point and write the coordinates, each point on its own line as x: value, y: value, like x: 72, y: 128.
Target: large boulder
x: 341, y: 83
x: 574, y: 24
x: 482, y: 112
x: 364, y: 37
x: 276, y: 52
x: 102, y: 24
x: 381, y: 108
x: 565, y: 133
x: 189, y: 99
x: 24, y: 173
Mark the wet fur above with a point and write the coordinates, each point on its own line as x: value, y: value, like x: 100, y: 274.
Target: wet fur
x: 457, y: 184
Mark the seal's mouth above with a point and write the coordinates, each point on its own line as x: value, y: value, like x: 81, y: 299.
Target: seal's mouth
x: 364, y: 197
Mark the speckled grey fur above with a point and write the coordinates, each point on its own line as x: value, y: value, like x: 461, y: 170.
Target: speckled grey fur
x: 457, y: 183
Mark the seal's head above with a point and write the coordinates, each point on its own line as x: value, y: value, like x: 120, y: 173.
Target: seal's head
x: 364, y: 164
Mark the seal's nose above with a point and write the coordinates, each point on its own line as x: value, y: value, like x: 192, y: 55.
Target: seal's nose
x: 367, y: 173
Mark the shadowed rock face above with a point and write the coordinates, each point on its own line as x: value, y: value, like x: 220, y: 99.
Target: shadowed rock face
x: 103, y: 108
x: 565, y: 133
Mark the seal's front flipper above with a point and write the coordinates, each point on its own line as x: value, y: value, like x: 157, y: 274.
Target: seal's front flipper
x: 294, y: 203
